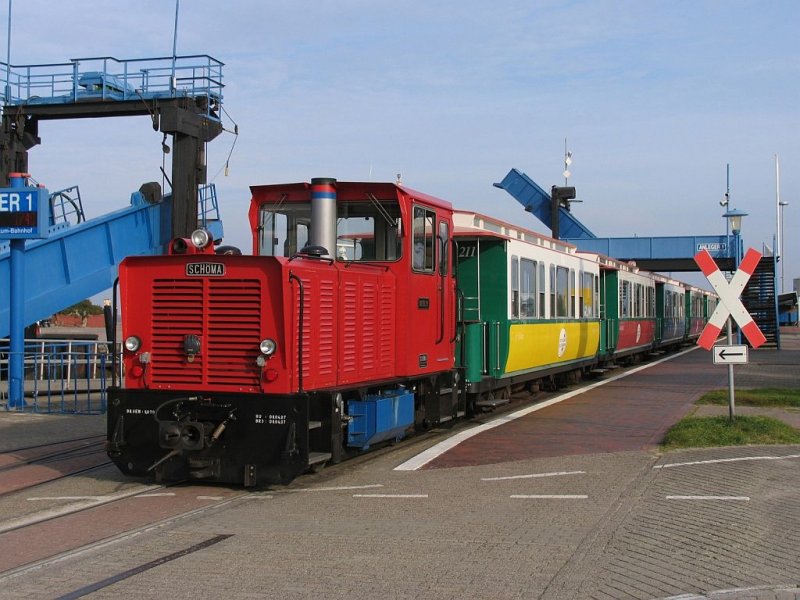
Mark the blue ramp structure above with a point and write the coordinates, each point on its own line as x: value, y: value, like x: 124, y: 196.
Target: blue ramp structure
x: 542, y: 205
x: 79, y: 261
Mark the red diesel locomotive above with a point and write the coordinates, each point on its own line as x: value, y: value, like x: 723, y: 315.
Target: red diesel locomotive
x: 337, y: 333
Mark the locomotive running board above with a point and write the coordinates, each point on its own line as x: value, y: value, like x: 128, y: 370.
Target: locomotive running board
x: 318, y: 457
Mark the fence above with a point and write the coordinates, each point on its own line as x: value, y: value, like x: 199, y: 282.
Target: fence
x: 63, y: 376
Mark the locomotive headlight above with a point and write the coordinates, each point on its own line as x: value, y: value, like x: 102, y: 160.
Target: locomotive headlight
x: 132, y: 343
x: 267, y: 347
x: 201, y: 238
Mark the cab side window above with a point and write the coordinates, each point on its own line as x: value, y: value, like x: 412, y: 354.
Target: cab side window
x: 422, y: 259
x: 444, y: 244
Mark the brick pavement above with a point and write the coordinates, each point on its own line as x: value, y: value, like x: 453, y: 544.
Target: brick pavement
x: 461, y: 533
x: 607, y: 525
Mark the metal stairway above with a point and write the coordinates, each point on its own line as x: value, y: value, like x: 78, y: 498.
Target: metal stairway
x: 761, y: 301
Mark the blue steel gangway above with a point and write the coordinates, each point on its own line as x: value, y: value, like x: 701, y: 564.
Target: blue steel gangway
x: 108, y: 86
x: 76, y: 262
x: 672, y: 253
x: 182, y: 95
x: 80, y: 260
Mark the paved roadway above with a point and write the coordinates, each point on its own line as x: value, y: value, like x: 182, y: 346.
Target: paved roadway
x: 499, y: 516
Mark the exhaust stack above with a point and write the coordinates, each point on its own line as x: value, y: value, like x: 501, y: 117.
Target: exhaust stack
x: 323, y: 214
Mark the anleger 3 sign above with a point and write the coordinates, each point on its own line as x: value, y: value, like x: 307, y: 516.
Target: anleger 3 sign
x: 729, y: 302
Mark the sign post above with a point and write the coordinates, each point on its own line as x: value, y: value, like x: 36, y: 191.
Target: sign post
x: 730, y: 308
x: 24, y: 214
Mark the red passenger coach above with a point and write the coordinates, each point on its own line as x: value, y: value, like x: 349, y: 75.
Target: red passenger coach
x: 696, y: 311
x: 337, y: 333
x: 628, y: 300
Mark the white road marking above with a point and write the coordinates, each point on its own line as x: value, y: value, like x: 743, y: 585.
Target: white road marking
x: 738, y: 591
x: 550, y: 496
x: 390, y: 495
x: 533, y: 476
x: 58, y: 498
x: 742, y: 498
x: 725, y: 460
x: 422, y: 459
x: 156, y: 495
x: 336, y: 489
x: 210, y: 498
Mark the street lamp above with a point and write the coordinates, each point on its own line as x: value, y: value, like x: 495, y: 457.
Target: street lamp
x: 734, y: 220
x: 734, y: 217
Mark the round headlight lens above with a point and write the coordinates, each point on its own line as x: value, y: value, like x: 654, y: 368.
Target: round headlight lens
x: 201, y: 238
x: 267, y: 347
x: 132, y: 343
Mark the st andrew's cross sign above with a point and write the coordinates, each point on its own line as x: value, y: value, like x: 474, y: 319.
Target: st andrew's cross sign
x: 729, y: 302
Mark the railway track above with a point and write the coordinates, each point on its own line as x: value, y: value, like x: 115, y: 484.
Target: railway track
x: 89, y: 521
x: 25, y: 467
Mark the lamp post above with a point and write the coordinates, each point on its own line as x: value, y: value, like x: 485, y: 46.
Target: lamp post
x: 734, y: 220
x: 781, y: 204
x: 726, y: 200
x: 7, y: 99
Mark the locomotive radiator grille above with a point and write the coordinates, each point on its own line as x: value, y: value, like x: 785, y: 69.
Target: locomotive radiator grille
x: 368, y: 323
x: 319, y: 329
x: 349, y: 351
x: 325, y: 340
x: 224, y: 314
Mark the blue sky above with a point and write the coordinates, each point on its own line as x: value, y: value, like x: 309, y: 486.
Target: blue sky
x: 654, y: 99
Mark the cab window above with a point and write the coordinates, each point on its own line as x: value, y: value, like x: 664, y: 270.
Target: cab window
x: 444, y: 244
x: 422, y: 257
x: 365, y: 230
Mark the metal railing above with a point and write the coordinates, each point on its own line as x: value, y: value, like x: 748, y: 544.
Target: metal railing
x: 109, y: 78
x: 62, y: 376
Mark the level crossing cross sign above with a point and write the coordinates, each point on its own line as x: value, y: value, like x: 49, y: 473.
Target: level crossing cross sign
x: 729, y: 302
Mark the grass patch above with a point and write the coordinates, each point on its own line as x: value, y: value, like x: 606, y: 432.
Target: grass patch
x: 703, y: 432
x: 762, y: 397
